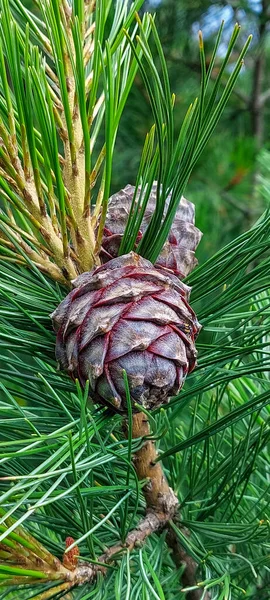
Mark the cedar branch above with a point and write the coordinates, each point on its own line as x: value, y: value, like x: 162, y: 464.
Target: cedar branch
x: 161, y: 507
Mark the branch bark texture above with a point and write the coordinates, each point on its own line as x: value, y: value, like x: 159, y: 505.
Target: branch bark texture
x: 161, y: 507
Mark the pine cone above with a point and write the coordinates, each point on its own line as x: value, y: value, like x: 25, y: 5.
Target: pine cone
x: 177, y: 254
x: 127, y: 315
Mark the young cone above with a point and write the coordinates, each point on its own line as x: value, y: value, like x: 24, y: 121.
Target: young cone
x: 178, y: 253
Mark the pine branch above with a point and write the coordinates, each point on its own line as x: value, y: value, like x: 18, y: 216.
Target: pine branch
x: 76, y: 172
x: 158, y: 495
x: 153, y: 522
x: 181, y: 557
x: 208, y: 480
x: 161, y: 501
x: 162, y: 505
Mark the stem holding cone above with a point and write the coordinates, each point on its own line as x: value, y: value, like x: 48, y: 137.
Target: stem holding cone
x: 160, y: 498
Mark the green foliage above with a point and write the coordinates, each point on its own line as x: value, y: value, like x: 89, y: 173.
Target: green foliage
x: 64, y: 462
x: 65, y: 73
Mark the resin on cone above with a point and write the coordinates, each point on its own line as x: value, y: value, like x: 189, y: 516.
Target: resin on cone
x: 178, y: 253
x: 127, y: 315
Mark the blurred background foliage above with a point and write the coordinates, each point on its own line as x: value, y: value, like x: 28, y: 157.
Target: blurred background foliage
x: 226, y: 185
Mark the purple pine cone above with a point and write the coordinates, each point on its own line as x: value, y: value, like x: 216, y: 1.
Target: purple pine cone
x: 127, y: 315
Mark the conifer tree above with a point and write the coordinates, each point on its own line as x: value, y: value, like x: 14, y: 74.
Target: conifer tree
x: 115, y: 483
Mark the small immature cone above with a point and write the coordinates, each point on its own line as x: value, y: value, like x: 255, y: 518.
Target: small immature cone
x: 178, y: 253
x: 70, y: 558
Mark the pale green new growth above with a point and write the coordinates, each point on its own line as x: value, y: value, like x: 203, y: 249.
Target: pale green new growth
x: 61, y: 77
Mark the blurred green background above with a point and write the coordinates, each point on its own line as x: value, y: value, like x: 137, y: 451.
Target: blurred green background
x: 227, y: 185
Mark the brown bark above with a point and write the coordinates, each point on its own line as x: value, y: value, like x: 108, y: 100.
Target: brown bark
x: 161, y: 508
x: 180, y: 557
x: 159, y: 496
x: 87, y: 572
x: 161, y: 500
